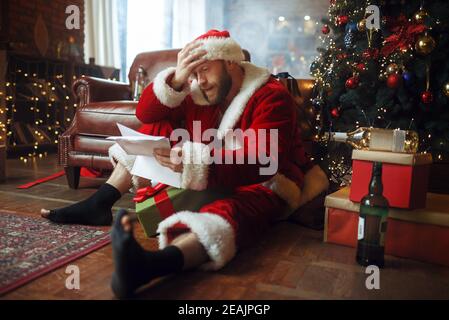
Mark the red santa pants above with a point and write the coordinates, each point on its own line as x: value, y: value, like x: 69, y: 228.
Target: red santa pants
x: 225, y: 225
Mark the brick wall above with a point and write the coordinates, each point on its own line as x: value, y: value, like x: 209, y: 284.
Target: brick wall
x: 22, y: 18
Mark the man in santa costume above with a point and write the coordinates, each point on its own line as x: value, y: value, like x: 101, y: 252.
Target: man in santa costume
x: 211, y: 85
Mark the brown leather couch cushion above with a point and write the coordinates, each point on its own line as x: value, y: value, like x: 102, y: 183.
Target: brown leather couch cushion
x: 100, y: 118
x: 89, y: 160
x: 92, y: 144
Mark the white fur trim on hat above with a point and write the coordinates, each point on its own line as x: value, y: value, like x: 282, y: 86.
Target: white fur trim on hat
x: 165, y: 93
x: 213, y: 232
x: 221, y: 48
x: 195, y: 159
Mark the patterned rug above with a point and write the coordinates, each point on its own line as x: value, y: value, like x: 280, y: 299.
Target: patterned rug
x: 33, y: 246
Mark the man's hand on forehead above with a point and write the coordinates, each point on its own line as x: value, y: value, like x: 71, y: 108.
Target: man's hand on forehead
x: 192, y: 46
x: 189, y: 58
x: 193, y: 49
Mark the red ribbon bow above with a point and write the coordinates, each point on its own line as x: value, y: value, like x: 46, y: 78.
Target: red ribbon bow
x: 143, y: 194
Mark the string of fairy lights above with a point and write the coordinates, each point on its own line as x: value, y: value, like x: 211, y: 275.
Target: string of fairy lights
x: 48, y: 104
x: 34, y: 104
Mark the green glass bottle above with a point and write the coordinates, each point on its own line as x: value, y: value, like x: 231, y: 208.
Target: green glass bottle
x: 372, y: 222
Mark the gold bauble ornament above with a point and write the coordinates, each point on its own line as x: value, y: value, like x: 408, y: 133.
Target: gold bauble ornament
x: 392, y: 68
x: 425, y: 44
x: 421, y: 16
x: 361, y: 25
x: 446, y: 89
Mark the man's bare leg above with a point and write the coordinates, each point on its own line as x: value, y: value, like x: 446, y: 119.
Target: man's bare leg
x: 95, y: 210
x: 135, y: 267
x: 120, y: 179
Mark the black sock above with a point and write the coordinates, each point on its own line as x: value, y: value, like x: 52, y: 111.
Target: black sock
x: 95, y: 210
x: 134, y: 266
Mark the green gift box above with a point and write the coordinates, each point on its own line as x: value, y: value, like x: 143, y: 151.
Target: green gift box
x: 155, y: 204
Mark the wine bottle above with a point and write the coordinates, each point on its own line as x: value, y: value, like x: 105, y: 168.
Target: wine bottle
x: 405, y: 141
x: 372, y: 222
x: 139, y: 83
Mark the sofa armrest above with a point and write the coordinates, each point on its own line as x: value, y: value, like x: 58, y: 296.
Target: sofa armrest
x: 91, y: 89
x: 65, y: 142
x: 97, y: 119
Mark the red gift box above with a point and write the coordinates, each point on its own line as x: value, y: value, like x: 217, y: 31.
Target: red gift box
x: 404, y: 177
x: 421, y: 234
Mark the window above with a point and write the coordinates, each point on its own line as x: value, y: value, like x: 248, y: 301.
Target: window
x: 162, y: 24
x: 145, y: 29
x: 281, y: 35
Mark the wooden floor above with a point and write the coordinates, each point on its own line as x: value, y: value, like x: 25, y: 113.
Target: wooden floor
x: 291, y: 262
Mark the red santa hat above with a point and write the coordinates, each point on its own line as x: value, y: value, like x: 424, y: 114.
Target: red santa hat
x: 220, y: 46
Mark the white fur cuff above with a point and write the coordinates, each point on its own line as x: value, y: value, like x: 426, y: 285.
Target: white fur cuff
x: 166, y: 94
x: 195, y: 159
x: 118, y: 155
x: 213, y: 232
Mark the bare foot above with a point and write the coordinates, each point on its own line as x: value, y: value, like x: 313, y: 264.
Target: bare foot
x: 127, y: 223
x: 45, y: 213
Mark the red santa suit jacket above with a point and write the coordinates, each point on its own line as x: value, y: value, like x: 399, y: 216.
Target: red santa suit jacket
x: 262, y: 103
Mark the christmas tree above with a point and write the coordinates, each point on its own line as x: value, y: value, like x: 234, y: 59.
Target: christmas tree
x: 396, y: 76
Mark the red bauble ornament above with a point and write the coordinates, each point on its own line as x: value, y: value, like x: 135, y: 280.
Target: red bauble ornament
x: 352, y: 83
x: 360, y: 67
x: 370, y: 53
x: 427, y: 97
x: 335, y: 112
x: 342, y: 20
x: 342, y: 56
x: 393, y: 80
x: 325, y: 29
